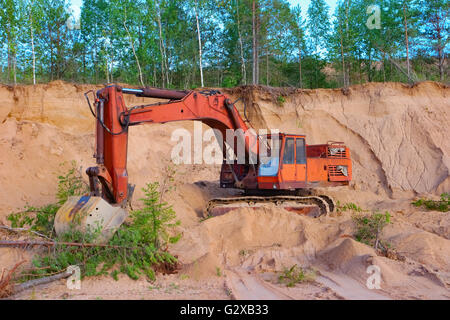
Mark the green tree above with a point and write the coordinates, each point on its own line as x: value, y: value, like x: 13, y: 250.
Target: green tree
x: 436, y: 29
x: 10, y: 22
x: 298, y: 25
x: 318, y: 25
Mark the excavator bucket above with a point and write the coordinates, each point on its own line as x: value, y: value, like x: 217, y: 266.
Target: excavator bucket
x: 90, y: 214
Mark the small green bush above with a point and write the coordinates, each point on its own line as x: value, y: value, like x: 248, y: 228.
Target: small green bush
x: 370, y: 226
x: 281, y: 100
x: 348, y: 206
x: 440, y: 205
x: 70, y: 184
x: 39, y: 219
x: 293, y: 275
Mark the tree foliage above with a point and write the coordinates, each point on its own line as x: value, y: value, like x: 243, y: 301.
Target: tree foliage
x: 155, y: 42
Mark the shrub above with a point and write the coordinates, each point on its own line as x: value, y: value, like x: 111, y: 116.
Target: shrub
x: 70, y: 184
x: 370, y: 226
x: 348, y: 206
x: 293, y: 275
x: 281, y: 100
x: 440, y: 205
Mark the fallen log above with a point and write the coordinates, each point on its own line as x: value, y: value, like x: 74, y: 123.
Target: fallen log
x: 36, y: 282
x: 26, y: 243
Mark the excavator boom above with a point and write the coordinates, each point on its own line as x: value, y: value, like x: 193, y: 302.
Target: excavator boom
x: 109, y: 179
x: 114, y: 119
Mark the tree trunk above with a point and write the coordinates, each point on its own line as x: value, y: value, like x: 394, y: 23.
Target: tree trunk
x: 32, y: 45
x: 253, y: 43
x: 134, y: 51
x: 161, y: 45
x: 347, y: 68
x: 243, y: 70
x: 406, y: 40
x: 440, y: 50
x: 441, y: 62
x: 300, y: 80
x: 14, y: 68
x: 255, y: 27
x: 257, y: 44
x: 111, y: 70
x: 107, y: 70
x: 199, y: 44
x: 343, y: 60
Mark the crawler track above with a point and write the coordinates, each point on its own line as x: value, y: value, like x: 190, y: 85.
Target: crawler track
x: 314, y: 206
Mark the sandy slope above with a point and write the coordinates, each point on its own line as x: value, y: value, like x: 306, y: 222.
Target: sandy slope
x: 398, y: 137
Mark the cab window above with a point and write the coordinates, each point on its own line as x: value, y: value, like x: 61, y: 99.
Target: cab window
x: 288, y: 154
x: 301, y: 156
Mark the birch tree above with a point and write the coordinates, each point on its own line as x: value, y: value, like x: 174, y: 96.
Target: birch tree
x: 318, y: 27
x: 9, y: 19
x: 298, y: 31
x: 241, y: 47
x: 435, y: 14
x: 255, y: 34
x: 199, y: 43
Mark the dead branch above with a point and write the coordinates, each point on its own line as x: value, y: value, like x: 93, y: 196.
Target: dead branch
x: 5, y: 287
x: 17, y: 230
x: 25, y: 243
x: 36, y: 282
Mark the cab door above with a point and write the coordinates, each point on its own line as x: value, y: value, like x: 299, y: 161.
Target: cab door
x: 288, y: 170
x: 300, y: 161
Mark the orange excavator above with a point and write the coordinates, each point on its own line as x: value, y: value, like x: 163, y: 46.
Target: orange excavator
x: 285, y: 175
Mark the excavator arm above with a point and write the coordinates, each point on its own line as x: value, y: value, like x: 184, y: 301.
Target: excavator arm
x: 113, y: 120
x: 105, y: 206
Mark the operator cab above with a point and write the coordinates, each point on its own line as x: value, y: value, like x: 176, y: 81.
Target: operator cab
x: 286, y: 162
x: 285, y: 167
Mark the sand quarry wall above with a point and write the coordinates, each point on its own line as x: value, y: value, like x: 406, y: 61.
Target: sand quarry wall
x: 398, y: 135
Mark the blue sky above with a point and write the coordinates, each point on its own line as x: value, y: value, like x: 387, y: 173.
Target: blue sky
x: 305, y: 3
x: 76, y: 5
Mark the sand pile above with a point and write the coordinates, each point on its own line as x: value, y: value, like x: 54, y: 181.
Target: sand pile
x: 263, y: 239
